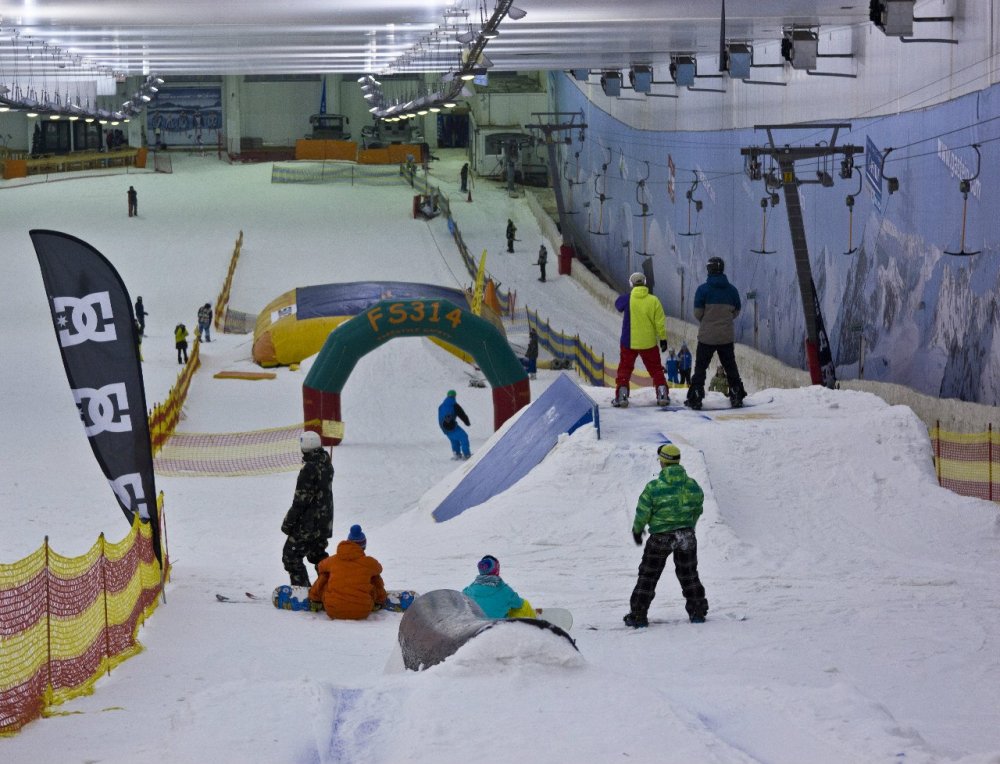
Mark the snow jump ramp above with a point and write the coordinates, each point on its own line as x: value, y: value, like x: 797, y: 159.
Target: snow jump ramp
x: 440, y: 622
x: 562, y: 408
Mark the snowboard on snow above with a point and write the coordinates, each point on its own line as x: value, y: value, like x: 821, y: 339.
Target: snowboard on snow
x: 715, y: 402
x: 286, y: 597
x: 557, y: 616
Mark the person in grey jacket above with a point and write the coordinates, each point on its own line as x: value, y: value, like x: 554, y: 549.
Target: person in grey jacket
x: 716, y: 306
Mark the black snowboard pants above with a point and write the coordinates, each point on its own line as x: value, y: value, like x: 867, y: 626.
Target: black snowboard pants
x: 294, y: 550
x: 727, y: 357
x: 683, y: 544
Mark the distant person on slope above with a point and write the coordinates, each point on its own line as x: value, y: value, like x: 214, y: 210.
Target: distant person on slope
x: 309, y: 521
x: 643, y: 326
x: 511, y: 234
x: 670, y: 366
x: 670, y: 505
x: 350, y: 583
x: 494, y: 596
x: 181, y: 343
x: 205, y: 322
x: 449, y: 412
x: 684, y: 364
x: 140, y: 315
x: 716, y: 306
x: 531, y: 354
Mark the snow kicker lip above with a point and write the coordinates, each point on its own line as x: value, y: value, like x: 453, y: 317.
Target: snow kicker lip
x: 440, y: 622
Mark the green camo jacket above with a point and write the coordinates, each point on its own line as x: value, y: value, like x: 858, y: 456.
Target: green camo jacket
x: 670, y: 501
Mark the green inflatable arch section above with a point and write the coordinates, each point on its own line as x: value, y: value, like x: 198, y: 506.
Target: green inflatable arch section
x: 390, y: 319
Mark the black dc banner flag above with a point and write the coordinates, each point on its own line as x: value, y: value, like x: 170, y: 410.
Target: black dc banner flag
x: 98, y: 339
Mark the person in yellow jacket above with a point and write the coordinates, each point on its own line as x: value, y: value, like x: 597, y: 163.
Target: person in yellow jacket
x: 181, y: 343
x: 350, y: 583
x: 643, y: 326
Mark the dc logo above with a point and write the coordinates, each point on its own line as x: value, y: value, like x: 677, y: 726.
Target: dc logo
x: 88, y: 318
x: 128, y: 489
x: 103, y: 409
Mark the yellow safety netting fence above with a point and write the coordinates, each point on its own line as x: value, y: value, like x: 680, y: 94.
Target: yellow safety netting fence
x: 65, y: 621
x: 968, y: 463
x: 261, y: 452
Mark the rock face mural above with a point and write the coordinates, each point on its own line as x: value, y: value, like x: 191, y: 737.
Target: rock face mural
x: 897, y: 306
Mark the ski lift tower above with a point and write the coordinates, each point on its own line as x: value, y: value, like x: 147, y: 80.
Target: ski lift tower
x: 549, y: 129
x: 821, y: 368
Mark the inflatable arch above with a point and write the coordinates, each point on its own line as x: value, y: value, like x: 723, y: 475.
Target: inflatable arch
x: 440, y: 320
x: 294, y: 325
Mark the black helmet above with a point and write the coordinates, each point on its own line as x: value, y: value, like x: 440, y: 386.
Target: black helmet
x: 716, y: 266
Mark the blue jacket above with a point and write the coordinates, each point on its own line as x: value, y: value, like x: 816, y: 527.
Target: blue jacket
x: 493, y: 596
x: 716, y: 306
x: 684, y: 359
x: 448, y: 412
x: 671, y: 366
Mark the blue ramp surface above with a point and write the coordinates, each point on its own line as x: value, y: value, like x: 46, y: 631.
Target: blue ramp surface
x: 560, y: 409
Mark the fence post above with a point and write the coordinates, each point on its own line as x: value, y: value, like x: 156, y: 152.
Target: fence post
x: 104, y: 590
x: 937, y: 446
x: 989, y: 453
x: 48, y: 616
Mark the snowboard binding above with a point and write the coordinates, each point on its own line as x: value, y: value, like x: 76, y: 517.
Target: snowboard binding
x: 620, y: 400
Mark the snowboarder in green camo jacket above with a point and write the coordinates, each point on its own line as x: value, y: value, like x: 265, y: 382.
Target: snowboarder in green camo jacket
x: 670, y: 505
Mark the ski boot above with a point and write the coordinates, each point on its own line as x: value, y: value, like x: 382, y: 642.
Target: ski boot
x: 621, y: 399
x: 694, y: 398
x: 662, y: 395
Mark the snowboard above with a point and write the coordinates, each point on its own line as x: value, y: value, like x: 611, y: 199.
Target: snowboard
x: 715, y: 402
x: 287, y: 597
x: 557, y: 616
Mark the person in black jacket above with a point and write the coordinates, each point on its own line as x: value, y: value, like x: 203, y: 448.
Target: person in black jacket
x: 309, y: 522
x: 511, y: 234
x: 140, y: 316
x: 465, y: 177
x: 531, y: 354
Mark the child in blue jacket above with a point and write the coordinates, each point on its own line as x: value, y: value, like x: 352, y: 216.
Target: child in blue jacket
x: 494, y: 596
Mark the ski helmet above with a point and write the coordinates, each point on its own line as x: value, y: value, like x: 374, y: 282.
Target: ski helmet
x: 489, y: 566
x: 637, y: 279
x: 669, y: 454
x: 309, y: 441
x: 716, y: 266
x: 451, y: 394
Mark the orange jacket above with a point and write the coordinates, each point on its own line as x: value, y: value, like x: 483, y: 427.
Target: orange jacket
x: 349, y: 583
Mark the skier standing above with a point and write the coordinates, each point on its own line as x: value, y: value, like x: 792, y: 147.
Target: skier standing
x: 133, y: 202
x: 464, y: 175
x: 511, y: 234
x: 684, y: 364
x: 448, y: 413
x: 350, y: 582
x: 716, y: 306
x: 643, y: 325
x: 205, y: 322
x: 671, y: 368
x: 543, y: 257
x: 670, y: 505
x: 309, y: 521
x: 140, y: 316
x: 181, y: 343
x: 531, y: 354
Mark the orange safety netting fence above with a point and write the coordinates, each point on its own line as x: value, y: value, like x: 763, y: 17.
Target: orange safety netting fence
x: 261, y: 452
x: 968, y: 464
x: 65, y: 621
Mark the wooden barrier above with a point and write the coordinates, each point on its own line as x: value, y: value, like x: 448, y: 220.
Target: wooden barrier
x: 306, y: 148
x: 84, y: 160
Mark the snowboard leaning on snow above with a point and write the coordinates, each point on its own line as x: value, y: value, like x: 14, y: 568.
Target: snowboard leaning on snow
x: 557, y: 616
x: 287, y: 597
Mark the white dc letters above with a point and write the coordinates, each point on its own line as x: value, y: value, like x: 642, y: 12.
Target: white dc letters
x: 83, y: 314
x: 104, y: 408
x: 128, y: 489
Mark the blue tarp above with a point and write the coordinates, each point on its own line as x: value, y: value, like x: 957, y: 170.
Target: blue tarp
x: 562, y: 408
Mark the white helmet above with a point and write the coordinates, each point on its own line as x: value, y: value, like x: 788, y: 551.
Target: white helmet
x: 637, y: 279
x: 309, y: 441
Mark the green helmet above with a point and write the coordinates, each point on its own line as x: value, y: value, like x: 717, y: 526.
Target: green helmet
x: 451, y: 394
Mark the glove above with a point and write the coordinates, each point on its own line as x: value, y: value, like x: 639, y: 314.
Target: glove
x: 663, y: 346
x: 637, y: 537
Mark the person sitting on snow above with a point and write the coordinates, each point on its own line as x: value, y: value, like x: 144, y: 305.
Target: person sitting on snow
x: 494, y: 596
x: 350, y: 583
